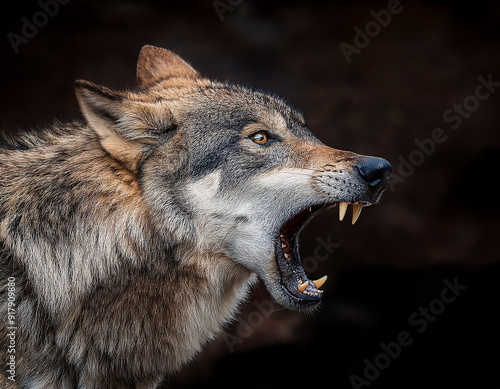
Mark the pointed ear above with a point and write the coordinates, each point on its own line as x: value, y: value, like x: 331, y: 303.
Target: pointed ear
x: 126, y: 128
x: 156, y: 64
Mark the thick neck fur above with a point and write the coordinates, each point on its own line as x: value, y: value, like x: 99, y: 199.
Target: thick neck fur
x: 96, y: 276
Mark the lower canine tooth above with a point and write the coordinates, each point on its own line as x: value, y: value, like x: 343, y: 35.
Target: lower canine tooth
x: 342, y: 210
x: 319, y: 283
x: 356, y: 211
x: 302, y: 287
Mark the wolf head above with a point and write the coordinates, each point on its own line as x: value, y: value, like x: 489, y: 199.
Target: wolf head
x: 227, y: 170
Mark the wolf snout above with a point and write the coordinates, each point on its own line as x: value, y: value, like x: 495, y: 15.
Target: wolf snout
x: 374, y: 171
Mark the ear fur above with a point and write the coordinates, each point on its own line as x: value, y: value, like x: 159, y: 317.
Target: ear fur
x: 126, y: 128
x: 156, y: 64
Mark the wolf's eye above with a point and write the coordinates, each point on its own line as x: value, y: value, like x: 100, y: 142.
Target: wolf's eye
x: 260, y: 137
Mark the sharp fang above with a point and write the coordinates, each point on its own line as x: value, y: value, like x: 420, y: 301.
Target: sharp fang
x: 283, y: 245
x: 356, y: 211
x: 319, y: 283
x: 302, y: 287
x: 287, y: 256
x: 342, y: 210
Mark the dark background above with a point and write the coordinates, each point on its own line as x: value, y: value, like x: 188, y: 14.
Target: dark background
x: 440, y: 224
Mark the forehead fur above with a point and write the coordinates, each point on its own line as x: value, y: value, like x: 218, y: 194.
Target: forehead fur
x: 186, y: 96
x: 163, y: 75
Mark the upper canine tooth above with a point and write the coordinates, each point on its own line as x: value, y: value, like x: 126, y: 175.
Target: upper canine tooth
x: 342, y: 210
x: 319, y: 283
x: 356, y: 211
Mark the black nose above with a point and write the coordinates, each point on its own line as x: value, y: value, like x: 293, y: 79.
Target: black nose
x: 374, y: 171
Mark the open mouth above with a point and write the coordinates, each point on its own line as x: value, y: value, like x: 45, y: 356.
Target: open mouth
x: 295, y: 284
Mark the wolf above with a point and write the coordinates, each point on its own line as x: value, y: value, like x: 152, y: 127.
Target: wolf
x: 130, y: 238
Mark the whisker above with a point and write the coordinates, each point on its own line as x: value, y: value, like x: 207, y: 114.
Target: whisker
x: 298, y: 173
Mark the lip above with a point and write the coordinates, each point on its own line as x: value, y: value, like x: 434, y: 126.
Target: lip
x: 296, y: 287
x: 292, y: 274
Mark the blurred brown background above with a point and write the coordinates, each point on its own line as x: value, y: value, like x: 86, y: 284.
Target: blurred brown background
x: 436, y: 227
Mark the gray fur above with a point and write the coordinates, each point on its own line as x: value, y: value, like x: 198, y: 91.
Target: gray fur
x: 134, y: 236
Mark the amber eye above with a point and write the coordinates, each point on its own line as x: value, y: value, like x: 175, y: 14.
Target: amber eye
x: 260, y: 137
